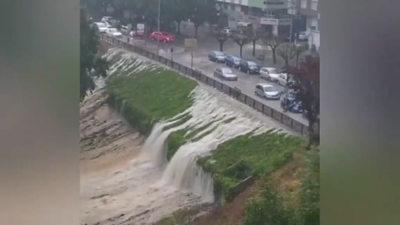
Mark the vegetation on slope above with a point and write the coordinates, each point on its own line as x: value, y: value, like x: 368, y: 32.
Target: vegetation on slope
x: 150, y: 95
x: 274, y: 206
x: 287, y: 196
x: 91, y: 65
x: 248, y: 156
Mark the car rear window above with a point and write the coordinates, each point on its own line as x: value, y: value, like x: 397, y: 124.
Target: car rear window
x: 226, y: 70
x: 269, y: 88
x: 252, y: 63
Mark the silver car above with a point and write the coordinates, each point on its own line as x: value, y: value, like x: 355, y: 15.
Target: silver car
x: 217, y: 56
x: 225, y: 74
x: 269, y: 73
x: 125, y: 30
x: 267, y: 91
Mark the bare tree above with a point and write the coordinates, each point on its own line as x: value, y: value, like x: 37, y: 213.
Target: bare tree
x: 271, y: 41
x: 241, y: 39
x: 221, y: 38
x: 287, y: 52
x: 254, y: 36
x: 299, y: 50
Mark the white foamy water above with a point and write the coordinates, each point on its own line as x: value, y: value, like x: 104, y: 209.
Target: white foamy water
x: 151, y: 188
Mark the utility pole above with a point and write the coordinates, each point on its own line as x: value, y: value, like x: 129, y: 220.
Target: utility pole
x: 158, y: 26
x: 291, y: 27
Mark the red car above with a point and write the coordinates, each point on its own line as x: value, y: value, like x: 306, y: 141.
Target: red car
x: 161, y: 36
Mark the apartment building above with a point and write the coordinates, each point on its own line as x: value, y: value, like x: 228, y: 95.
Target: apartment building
x: 309, y: 9
x: 270, y: 15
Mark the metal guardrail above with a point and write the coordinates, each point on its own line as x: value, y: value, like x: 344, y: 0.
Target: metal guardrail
x: 231, y: 91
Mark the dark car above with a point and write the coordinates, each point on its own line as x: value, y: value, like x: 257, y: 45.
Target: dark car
x: 217, y: 56
x: 249, y: 67
x: 290, y: 104
x: 232, y: 61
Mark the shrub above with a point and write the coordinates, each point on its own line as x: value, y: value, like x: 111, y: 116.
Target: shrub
x: 246, y: 156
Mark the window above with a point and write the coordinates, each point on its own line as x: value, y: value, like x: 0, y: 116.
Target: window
x: 244, y: 9
x: 275, y: 3
x: 303, y: 4
x: 314, y: 5
x: 252, y: 63
x: 269, y: 89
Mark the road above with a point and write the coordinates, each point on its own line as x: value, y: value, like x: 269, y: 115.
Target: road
x: 206, y: 43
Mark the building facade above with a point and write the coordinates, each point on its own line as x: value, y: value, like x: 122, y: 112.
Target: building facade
x: 269, y: 15
x: 309, y: 9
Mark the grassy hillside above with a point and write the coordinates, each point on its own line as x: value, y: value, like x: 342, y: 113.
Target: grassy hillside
x: 150, y: 94
x: 144, y: 94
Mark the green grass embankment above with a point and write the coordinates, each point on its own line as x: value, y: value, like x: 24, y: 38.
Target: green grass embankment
x: 248, y: 156
x: 150, y: 95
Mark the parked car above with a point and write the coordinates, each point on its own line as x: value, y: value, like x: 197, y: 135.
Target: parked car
x: 282, y: 80
x: 115, y: 22
x: 227, y: 31
x: 108, y: 24
x: 232, y: 61
x: 106, y: 19
x: 113, y: 32
x: 125, y: 30
x: 303, y: 36
x: 249, y: 67
x: 102, y: 27
x: 267, y: 91
x: 161, y: 36
x: 269, y: 73
x: 217, y: 56
x: 225, y: 74
x: 289, y: 103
